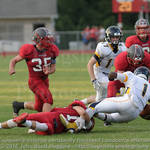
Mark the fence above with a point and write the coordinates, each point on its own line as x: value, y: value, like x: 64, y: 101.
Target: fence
x: 65, y: 40
x: 73, y: 40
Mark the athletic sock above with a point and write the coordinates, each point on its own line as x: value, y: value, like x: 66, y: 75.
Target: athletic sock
x: 11, y: 123
x: 27, y: 123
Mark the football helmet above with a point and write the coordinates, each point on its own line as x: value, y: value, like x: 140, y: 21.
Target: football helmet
x: 135, y: 54
x: 142, y: 72
x: 42, y: 37
x: 142, y: 28
x: 113, y: 31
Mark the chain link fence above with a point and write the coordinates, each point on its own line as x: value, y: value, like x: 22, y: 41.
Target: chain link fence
x: 65, y: 40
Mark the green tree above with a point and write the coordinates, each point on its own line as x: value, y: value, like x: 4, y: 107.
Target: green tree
x: 76, y: 14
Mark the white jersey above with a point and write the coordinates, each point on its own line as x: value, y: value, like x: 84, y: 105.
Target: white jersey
x: 123, y: 108
x: 106, y: 56
x: 137, y: 88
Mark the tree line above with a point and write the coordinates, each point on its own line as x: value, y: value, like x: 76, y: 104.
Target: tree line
x: 77, y: 14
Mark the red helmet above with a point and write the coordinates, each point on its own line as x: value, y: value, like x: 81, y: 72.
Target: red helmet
x: 135, y: 54
x: 142, y: 28
x: 43, y: 37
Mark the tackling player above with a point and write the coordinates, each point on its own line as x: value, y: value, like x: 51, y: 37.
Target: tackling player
x: 100, y: 64
x: 128, y: 61
x: 127, y: 107
x: 142, y: 36
x: 47, y: 123
x: 41, y: 61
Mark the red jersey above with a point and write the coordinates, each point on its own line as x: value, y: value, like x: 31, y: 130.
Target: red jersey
x: 36, y: 59
x: 135, y: 40
x: 52, y: 118
x: 121, y: 63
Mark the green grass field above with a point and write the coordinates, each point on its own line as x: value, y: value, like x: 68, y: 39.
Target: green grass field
x: 70, y: 81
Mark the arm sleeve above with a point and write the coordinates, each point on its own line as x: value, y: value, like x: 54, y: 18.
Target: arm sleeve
x: 25, y: 50
x: 122, y: 77
x: 55, y: 50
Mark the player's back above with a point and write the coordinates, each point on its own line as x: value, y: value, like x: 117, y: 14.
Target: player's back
x: 139, y: 89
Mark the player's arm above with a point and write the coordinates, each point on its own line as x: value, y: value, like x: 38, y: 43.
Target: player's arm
x: 120, y: 76
x: 49, y: 69
x: 90, y: 65
x: 13, y: 62
x: 81, y: 111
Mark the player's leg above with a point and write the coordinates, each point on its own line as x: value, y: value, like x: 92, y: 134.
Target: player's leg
x: 43, y: 121
x: 13, y: 122
x: 8, y: 124
x: 118, y: 109
x: 44, y: 96
x: 119, y: 117
x: 17, y: 106
x: 46, y: 107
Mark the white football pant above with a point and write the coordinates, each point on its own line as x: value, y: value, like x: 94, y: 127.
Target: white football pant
x: 103, y: 80
x: 115, y: 109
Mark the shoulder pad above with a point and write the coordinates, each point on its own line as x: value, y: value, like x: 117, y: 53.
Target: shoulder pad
x: 120, y: 62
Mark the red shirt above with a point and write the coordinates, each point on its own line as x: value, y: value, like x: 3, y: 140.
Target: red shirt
x: 52, y: 118
x: 36, y: 60
x: 135, y: 40
x: 121, y: 63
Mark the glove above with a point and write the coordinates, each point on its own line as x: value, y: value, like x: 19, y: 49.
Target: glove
x: 80, y: 123
x: 112, y: 76
x: 96, y: 84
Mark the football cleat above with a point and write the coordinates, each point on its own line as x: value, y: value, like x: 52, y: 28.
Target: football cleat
x: 107, y: 124
x: 70, y: 126
x: 21, y: 119
x: 16, y: 108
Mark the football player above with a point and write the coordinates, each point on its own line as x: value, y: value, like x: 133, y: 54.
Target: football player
x: 128, y: 61
x: 142, y: 36
x: 47, y: 123
x: 40, y: 58
x: 101, y: 62
x: 127, y: 107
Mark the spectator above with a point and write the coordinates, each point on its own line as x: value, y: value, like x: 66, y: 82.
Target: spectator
x: 93, y: 37
x: 101, y: 34
x: 85, y: 36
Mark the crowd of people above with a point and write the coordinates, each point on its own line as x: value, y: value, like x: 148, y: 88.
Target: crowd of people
x: 91, y: 36
x: 121, y: 96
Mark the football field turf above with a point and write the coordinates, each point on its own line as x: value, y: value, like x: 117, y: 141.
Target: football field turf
x: 70, y: 81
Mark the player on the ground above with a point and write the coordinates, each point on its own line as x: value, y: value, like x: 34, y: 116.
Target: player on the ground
x: 128, y: 61
x: 127, y: 107
x: 41, y: 61
x: 101, y: 62
x: 45, y: 123
x: 142, y: 36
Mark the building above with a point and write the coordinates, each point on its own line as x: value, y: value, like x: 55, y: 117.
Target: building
x: 18, y: 18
